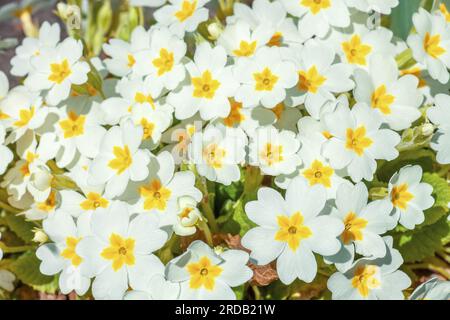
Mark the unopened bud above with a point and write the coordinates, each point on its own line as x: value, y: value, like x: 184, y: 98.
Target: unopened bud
x: 427, y: 129
x: 39, y: 236
x: 214, y: 30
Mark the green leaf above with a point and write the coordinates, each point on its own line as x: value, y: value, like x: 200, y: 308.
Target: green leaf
x: 423, y: 158
x: 441, y: 194
x: 401, y: 17
x: 22, y: 228
x: 26, y: 268
x: 418, y: 244
x: 239, y: 291
x: 239, y: 223
x: 50, y: 288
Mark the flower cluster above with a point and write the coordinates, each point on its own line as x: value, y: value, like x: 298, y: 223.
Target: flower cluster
x: 299, y: 107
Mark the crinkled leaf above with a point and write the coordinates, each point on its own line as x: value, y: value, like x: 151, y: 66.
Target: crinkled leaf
x: 22, y: 228
x: 418, y: 244
x: 423, y: 158
x: 26, y: 268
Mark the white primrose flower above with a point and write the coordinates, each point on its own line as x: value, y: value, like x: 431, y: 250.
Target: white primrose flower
x: 31, y: 173
x: 314, y: 167
x: 6, y: 155
x: 206, y: 275
x: 431, y: 44
x: 358, y: 46
x: 80, y: 131
x: 318, y: 76
x: 316, y: 17
x: 381, y: 6
x: 274, y: 151
x: 264, y: 78
x: 123, y: 54
x: 120, y: 159
x: 217, y: 152
x: 240, y: 41
x: 60, y: 256
x: 119, y: 251
x: 182, y: 15
x: 163, y: 59
x: 55, y: 70
x: 160, y: 193
x: 372, y: 278
x: 396, y: 99
x: 357, y: 141
x: 364, y: 223
x: 291, y: 229
x: 187, y: 216
x: 433, y: 289
x: 48, y: 38
x: 21, y: 111
x: 409, y: 197
x: 211, y: 84
x: 82, y: 204
x: 270, y: 14
x: 158, y: 288
x: 439, y: 114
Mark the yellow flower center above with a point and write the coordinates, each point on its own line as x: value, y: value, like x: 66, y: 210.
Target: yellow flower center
x: 140, y: 97
x: 3, y: 116
x: 245, y: 49
x: 205, y: 86
x: 122, y: 160
x: 25, y: 116
x: 214, y: 155
x: 235, y: 116
x: 357, y: 141
x: 382, y: 100
x: 148, y: 128
x: 49, y: 204
x: 185, y: 213
x: 265, y: 80
x: 317, y: 173
x: 444, y: 12
x: 29, y: 158
x: 400, y: 196
x: 73, y: 126
x: 94, y: 201
x: 278, y: 110
x: 203, y: 274
x: 69, y: 252
x: 292, y: 230
x: 315, y: 6
x: 353, y: 228
x: 165, y: 61
x: 186, y: 11
x: 59, y: 71
x: 327, y: 135
x: 155, y: 195
x: 276, y: 40
x: 131, y: 60
x: 355, y: 51
x: 365, y: 279
x: 272, y: 154
x: 120, y: 251
x: 310, y: 80
x: 431, y: 44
